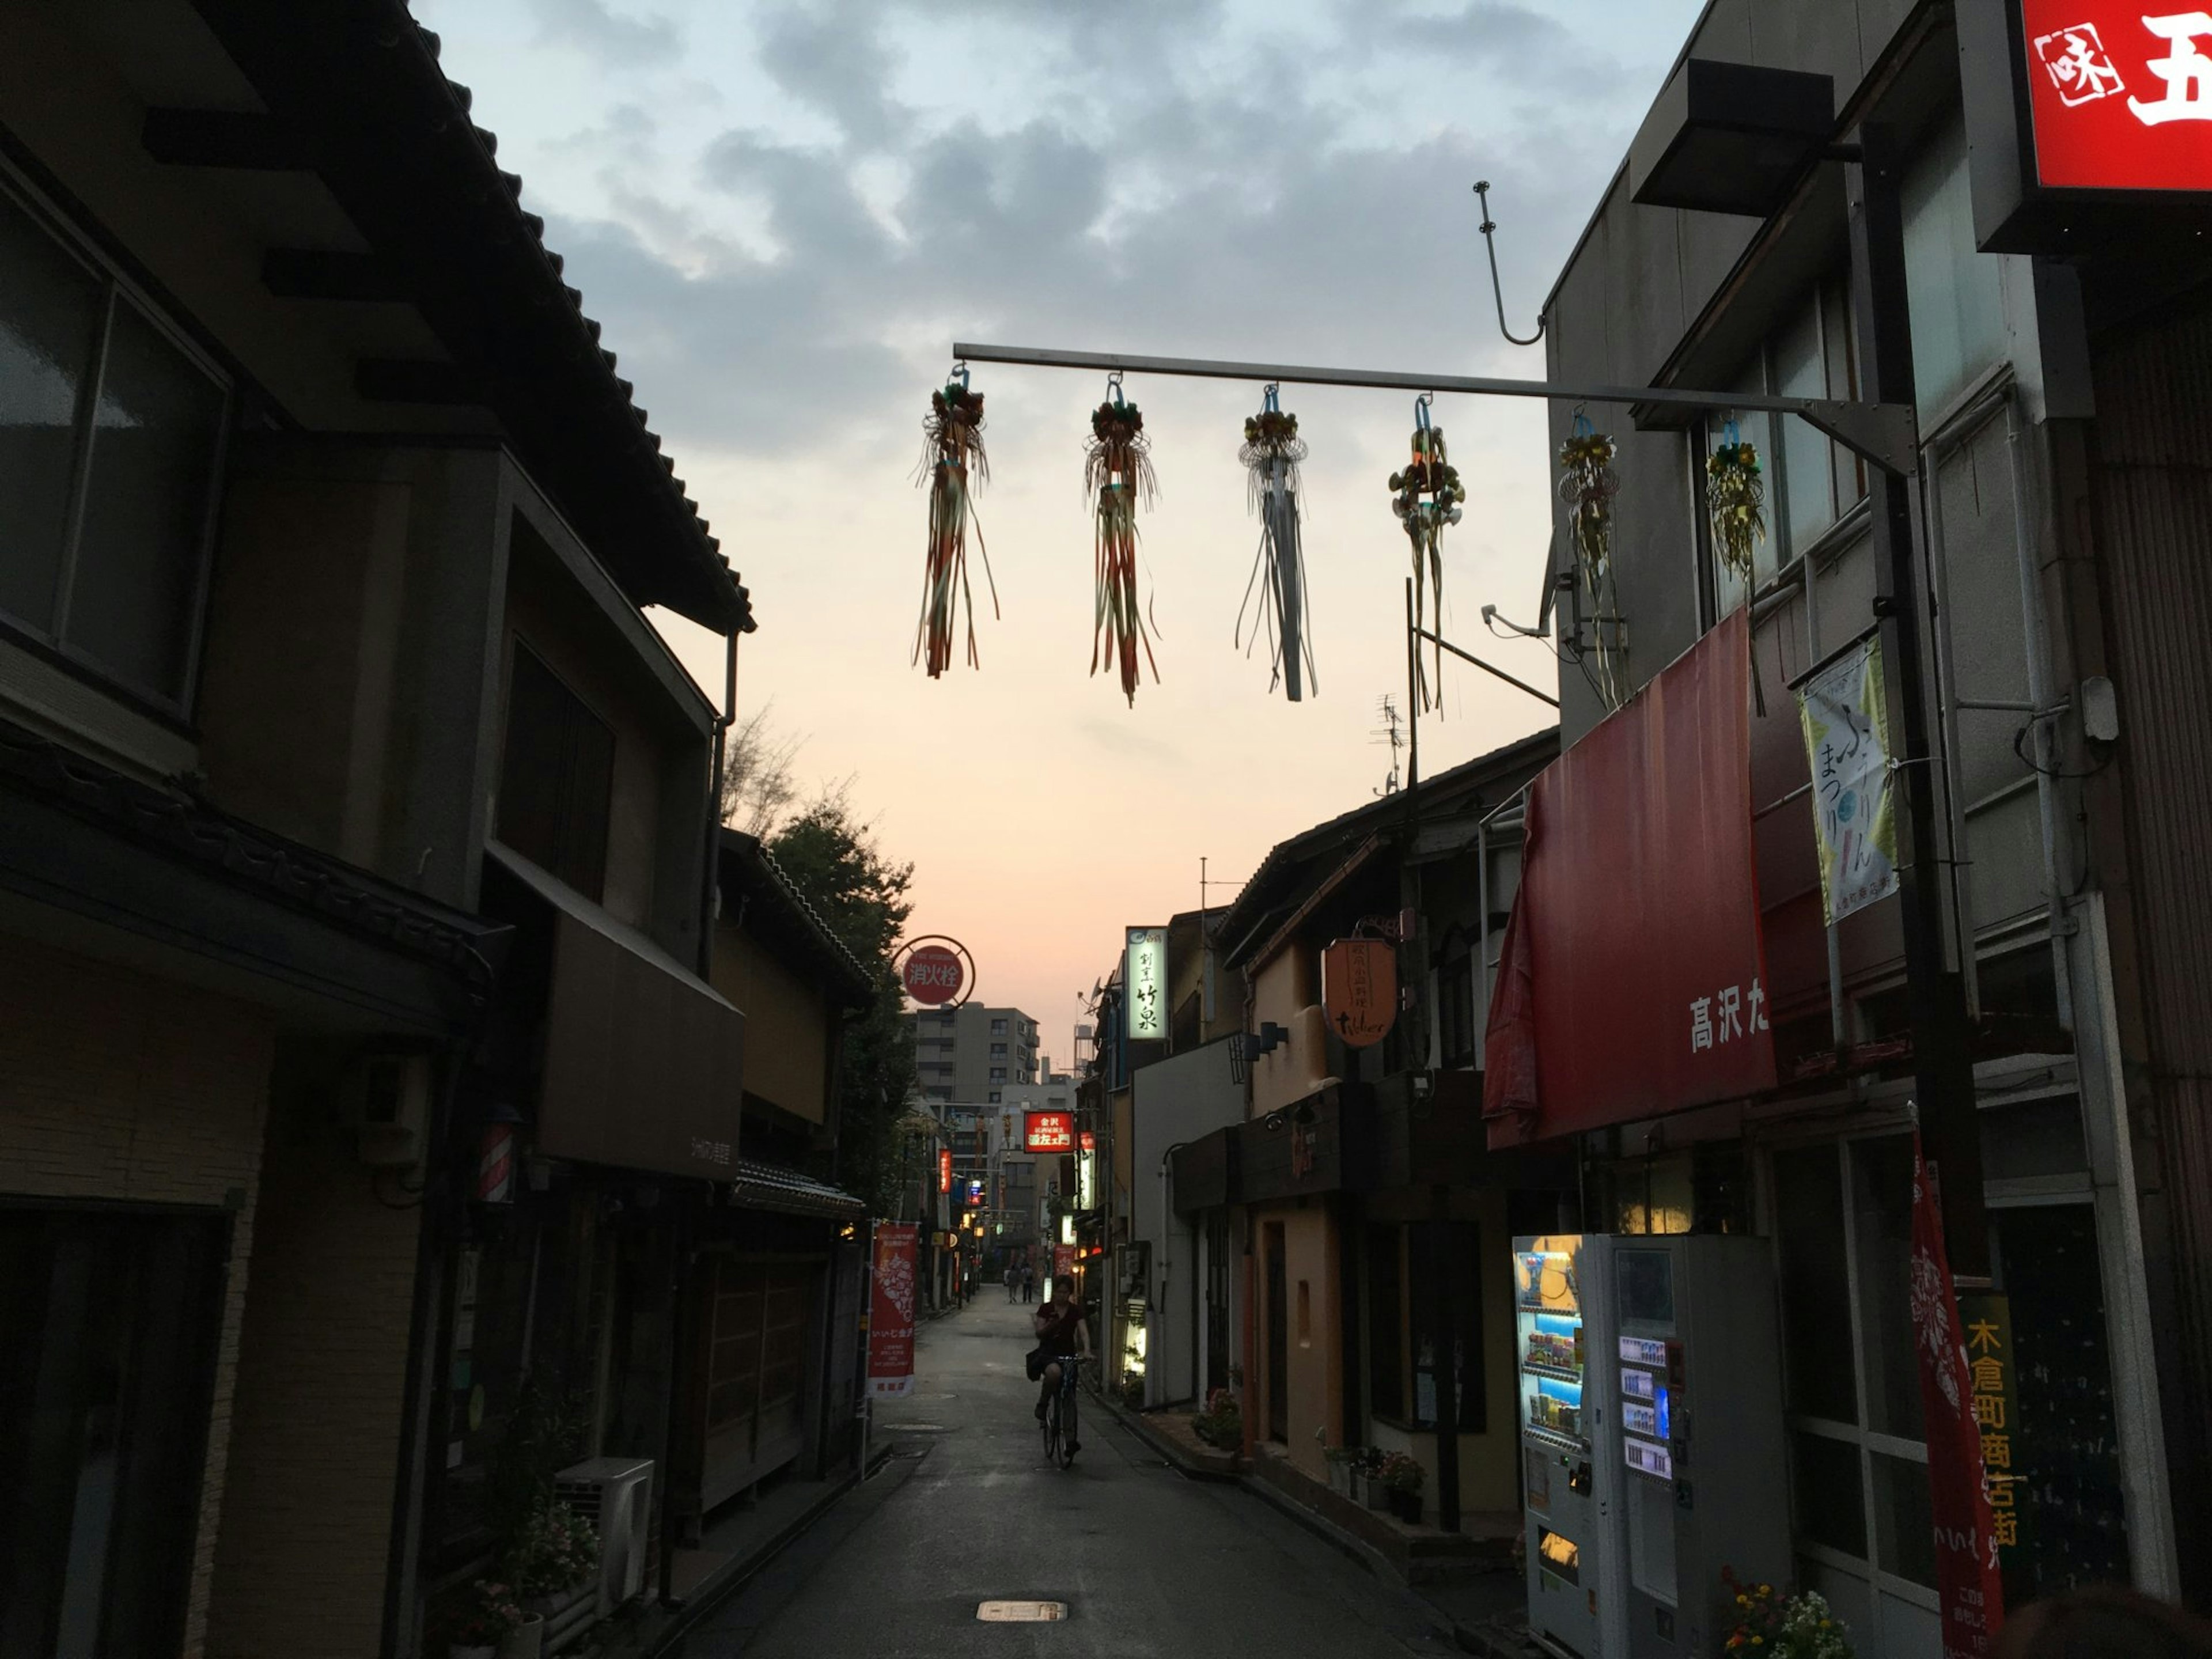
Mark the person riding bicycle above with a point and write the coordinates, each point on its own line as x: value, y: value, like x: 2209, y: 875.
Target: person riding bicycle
x: 1062, y: 1334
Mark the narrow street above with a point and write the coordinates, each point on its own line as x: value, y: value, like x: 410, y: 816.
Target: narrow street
x: 1147, y: 1562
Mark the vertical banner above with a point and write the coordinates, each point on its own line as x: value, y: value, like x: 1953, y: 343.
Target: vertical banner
x: 1987, y: 1316
x: 1854, y: 810
x: 1966, y: 1582
x: 1063, y: 1261
x: 1148, y: 984
x: 891, y: 1317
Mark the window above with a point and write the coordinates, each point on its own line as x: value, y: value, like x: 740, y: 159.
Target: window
x: 998, y: 1074
x: 998, y: 1028
x: 1403, y: 1352
x: 111, y: 438
x: 555, y: 778
x: 997, y: 1051
x: 1811, y: 481
x: 1843, y: 1224
x: 1956, y: 294
x: 996, y: 1096
x: 1455, y: 1011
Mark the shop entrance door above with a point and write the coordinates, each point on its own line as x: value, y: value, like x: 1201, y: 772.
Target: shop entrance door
x: 758, y: 1312
x: 1217, y: 1300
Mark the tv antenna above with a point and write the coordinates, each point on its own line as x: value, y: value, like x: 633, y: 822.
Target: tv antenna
x: 1386, y: 710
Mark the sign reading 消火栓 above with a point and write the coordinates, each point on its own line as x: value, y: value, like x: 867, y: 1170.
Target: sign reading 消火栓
x: 1854, y: 810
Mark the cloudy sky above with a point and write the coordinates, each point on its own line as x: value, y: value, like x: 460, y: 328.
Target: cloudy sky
x: 785, y: 214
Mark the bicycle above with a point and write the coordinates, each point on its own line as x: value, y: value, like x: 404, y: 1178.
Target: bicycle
x: 1059, y: 1442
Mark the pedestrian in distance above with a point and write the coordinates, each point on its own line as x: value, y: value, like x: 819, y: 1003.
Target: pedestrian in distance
x: 1013, y: 1281
x: 1029, y: 1282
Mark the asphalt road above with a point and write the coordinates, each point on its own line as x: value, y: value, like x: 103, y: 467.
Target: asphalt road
x: 1147, y: 1562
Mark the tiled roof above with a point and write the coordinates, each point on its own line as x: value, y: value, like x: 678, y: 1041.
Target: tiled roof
x: 771, y: 1187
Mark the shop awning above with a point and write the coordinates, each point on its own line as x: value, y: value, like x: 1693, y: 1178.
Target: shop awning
x: 1633, y: 982
x: 644, y: 1062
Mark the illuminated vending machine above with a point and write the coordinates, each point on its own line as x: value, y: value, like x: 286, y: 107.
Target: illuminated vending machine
x: 1652, y: 1441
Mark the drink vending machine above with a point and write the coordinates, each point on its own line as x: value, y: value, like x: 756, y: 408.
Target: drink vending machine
x: 1652, y: 1446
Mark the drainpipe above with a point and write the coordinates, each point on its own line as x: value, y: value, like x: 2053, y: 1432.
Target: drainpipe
x: 1251, y: 1438
x: 710, y: 886
x: 2044, y: 736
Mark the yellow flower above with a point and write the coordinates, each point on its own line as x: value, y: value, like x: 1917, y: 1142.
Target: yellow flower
x: 1743, y: 1601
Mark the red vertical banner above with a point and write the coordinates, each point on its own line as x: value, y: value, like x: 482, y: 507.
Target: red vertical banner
x: 1063, y: 1261
x: 890, y: 1311
x: 1966, y: 1580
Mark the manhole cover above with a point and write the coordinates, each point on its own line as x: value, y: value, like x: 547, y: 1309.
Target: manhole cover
x: 1021, y: 1612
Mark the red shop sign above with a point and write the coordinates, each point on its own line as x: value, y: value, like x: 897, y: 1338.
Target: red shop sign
x: 890, y: 1311
x: 2119, y: 96
x: 1633, y: 982
x: 1048, y: 1132
x: 945, y: 1169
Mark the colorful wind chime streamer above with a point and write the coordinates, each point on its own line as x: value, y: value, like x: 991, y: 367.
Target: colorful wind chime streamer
x: 1271, y: 453
x: 1426, y: 497
x: 1735, y: 499
x: 953, y: 462
x: 1588, y: 485
x: 1117, y: 476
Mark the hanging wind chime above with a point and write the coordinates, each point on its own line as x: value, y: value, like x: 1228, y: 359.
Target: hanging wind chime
x: 953, y: 461
x: 1736, y: 497
x: 1426, y: 497
x: 1271, y: 454
x: 1117, y: 474
x: 1588, y: 487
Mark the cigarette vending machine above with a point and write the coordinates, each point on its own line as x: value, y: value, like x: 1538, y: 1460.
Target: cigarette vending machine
x: 1653, y: 1451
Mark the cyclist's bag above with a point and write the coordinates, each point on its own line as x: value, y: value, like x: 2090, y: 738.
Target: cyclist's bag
x: 1035, y: 1360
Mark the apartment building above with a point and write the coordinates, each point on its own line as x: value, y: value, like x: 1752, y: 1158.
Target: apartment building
x: 972, y: 1053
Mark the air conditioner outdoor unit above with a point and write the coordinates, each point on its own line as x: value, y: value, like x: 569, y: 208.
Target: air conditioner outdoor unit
x: 615, y: 1494
x: 385, y: 1100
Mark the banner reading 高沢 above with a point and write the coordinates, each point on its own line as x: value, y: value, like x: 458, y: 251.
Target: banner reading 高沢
x: 890, y: 1310
x: 1854, y: 810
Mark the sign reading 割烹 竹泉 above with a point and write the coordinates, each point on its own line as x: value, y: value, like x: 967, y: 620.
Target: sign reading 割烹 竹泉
x: 1148, y: 984
x: 1854, y: 811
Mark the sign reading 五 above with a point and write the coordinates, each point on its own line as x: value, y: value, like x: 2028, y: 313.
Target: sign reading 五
x: 2119, y: 96
x: 1359, y: 990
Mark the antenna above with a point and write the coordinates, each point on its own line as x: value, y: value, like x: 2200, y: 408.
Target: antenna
x: 1386, y: 710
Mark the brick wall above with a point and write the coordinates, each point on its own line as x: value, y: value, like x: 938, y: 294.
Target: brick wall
x: 118, y: 1085
x: 300, y: 1566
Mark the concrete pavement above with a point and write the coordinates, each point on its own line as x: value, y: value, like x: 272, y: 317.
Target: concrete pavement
x: 1149, y: 1563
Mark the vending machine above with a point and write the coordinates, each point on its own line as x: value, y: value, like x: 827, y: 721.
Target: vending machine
x: 1653, y: 1450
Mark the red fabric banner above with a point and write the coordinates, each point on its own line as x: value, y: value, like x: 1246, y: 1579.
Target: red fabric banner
x: 890, y: 1310
x: 1966, y: 1580
x: 1633, y: 981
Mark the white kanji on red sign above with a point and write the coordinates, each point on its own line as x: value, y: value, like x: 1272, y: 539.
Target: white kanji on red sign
x: 2078, y: 65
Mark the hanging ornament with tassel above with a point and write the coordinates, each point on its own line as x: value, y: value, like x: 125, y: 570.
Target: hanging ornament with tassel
x: 1426, y: 497
x: 953, y: 463
x: 1117, y: 476
x: 1271, y: 454
x: 1588, y: 485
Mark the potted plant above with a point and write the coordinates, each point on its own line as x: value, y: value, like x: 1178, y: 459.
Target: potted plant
x: 1768, y: 1626
x: 1367, y: 1487
x: 495, y: 1616
x: 554, y: 1554
x: 1221, y: 1423
x: 1401, y: 1479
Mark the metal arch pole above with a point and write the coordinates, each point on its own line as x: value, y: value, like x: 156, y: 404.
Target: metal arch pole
x: 1885, y: 434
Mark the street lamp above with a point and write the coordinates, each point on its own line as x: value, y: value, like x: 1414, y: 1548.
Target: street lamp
x: 1736, y: 139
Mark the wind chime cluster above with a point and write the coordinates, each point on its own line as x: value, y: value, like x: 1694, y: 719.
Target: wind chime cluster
x: 1117, y: 474
x: 953, y: 462
x: 1588, y: 486
x: 1735, y: 499
x: 1271, y: 453
x: 1426, y: 497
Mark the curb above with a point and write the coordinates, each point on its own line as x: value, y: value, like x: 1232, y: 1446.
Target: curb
x: 709, y: 1598
x: 1176, y: 1455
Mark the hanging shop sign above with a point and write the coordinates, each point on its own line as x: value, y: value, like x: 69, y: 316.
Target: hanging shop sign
x: 935, y: 970
x: 1087, y: 1141
x: 1063, y: 1260
x: 1854, y: 808
x: 1639, y: 899
x: 945, y: 1169
x: 1148, y: 984
x: 1359, y: 989
x: 890, y: 1311
x: 1048, y: 1132
x: 2085, y: 118
x: 1967, y: 1586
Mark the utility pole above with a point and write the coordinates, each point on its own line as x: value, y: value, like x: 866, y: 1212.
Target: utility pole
x: 1942, y: 1063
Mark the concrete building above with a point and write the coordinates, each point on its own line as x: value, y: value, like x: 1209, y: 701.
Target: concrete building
x: 971, y: 1054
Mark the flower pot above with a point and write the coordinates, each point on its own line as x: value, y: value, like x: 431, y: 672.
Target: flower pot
x: 1372, y: 1492
x: 1406, y: 1505
x: 470, y: 1650
x: 526, y: 1640
x: 1339, y: 1479
x: 551, y: 1607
